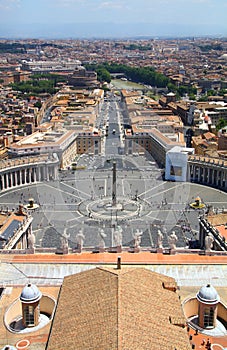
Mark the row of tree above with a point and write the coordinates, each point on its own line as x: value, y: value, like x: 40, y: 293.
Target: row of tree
x: 145, y: 75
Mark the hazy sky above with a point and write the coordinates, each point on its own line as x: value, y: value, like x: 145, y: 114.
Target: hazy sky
x: 112, y: 17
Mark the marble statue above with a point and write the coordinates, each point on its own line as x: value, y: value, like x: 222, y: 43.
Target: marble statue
x: 172, y: 240
x: 80, y: 237
x: 101, y: 236
x: 118, y: 236
x: 137, y: 238
x: 160, y: 239
x: 31, y: 240
x: 64, y: 240
x: 209, y: 240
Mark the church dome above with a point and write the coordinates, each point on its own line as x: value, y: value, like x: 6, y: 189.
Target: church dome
x: 30, y: 294
x: 208, y: 295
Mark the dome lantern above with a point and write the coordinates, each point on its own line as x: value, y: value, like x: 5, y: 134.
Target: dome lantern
x: 30, y: 297
x: 208, y: 299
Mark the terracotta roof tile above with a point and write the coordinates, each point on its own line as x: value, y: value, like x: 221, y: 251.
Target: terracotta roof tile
x: 118, y: 309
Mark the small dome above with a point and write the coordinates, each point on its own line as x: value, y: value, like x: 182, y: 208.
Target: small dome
x: 208, y: 295
x: 30, y: 293
x: 9, y: 347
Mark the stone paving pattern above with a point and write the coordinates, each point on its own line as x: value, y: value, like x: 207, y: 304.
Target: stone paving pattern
x: 67, y: 204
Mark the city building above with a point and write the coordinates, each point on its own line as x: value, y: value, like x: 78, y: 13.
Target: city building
x: 81, y: 78
x: 61, y: 143
x: 50, y: 65
x: 176, y: 166
x: 14, y: 77
x: 205, y: 144
x: 222, y: 140
x: 89, y: 142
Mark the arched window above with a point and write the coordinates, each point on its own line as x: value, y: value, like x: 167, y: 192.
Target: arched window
x: 208, y: 317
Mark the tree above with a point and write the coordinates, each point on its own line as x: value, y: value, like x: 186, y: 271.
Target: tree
x: 38, y: 104
x: 103, y: 75
x: 221, y: 123
x: 203, y: 99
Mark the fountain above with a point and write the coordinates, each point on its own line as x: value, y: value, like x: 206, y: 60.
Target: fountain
x: 31, y: 204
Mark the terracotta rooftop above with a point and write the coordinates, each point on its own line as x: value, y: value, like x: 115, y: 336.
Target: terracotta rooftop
x: 217, y: 219
x: 118, y: 309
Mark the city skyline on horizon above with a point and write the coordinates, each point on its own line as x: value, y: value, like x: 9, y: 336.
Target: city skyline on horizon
x: 111, y: 19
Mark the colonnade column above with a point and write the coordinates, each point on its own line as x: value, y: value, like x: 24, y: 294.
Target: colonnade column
x: 194, y: 172
x: 34, y: 174
x: 7, y: 180
x: 39, y: 173
x: 209, y: 175
x: 47, y: 174
x: 199, y: 173
x: 212, y: 179
x: 29, y: 175
x: 3, y: 182
x: 225, y: 179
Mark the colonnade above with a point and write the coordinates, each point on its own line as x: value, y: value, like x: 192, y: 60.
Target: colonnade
x: 208, y: 171
x: 30, y: 171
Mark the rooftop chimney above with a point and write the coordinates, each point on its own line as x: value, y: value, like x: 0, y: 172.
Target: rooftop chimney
x: 118, y: 262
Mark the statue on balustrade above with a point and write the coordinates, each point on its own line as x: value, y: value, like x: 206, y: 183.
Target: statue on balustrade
x: 118, y: 236
x: 80, y: 237
x: 31, y: 240
x: 173, y: 240
x: 64, y: 241
x: 101, y: 236
x: 137, y: 239
x: 160, y: 239
x: 209, y: 240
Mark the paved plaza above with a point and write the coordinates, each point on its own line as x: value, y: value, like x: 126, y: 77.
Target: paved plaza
x: 81, y: 200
